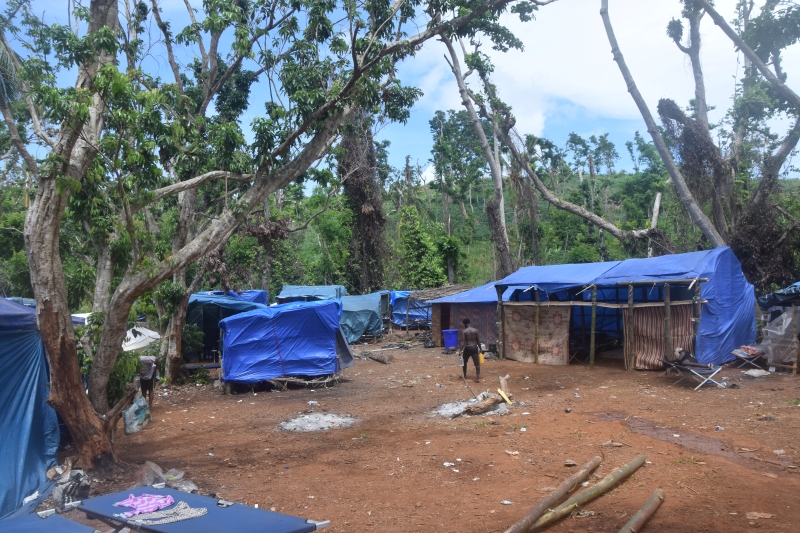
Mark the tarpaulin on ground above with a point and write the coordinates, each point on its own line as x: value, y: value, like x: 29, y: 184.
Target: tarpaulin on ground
x: 782, y: 298
x: 728, y: 318
x: 206, y: 310
x: 295, y: 339
x: 28, y: 425
x: 361, y: 315
x: 310, y: 293
x: 555, y: 278
x: 419, y: 313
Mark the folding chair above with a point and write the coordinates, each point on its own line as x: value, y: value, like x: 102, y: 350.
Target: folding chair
x: 746, y: 358
x: 33, y: 523
x: 221, y: 515
x: 701, y: 373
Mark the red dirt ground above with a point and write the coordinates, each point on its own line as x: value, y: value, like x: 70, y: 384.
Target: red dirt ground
x: 385, y: 473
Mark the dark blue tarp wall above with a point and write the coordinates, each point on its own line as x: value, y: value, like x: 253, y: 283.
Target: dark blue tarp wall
x: 361, y: 315
x: 294, y: 339
x: 205, y: 310
x: 419, y: 315
x: 16, y: 316
x: 28, y: 425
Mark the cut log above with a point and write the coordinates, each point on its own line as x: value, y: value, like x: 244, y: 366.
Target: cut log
x: 384, y: 358
x: 640, y: 517
x: 483, y: 406
x: 608, y: 483
x: 554, y: 497
x: 504, y: 384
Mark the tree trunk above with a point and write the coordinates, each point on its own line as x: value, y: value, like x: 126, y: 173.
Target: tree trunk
x: 495, y: 208
x: 74, y: 151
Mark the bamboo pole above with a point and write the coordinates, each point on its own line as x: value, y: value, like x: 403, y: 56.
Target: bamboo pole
x: 667, y: 323
x: 638, y: 519
x: 538, y: 307
x: 551, y: 499
x: 609, y: 482
x: 594, y: 322
x: 629, y: 335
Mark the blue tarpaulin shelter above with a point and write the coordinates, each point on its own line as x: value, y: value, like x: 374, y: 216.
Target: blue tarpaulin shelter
x: 786, y: 297
x: 727, y: 320
x: 419, y: 312
x: 28, y: 425
x: 310, y: 293
x: 361, y: 315
x: 206, y: 310
x: 297, y: 339
x: 727, y: 315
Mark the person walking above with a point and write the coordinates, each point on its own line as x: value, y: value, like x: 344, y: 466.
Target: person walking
x: 471, y: 349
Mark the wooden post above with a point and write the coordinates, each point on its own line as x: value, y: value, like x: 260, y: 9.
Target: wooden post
x: 667, y: 323
x: 629, y: 361
x: 538, y: 305
x: 501, y: 315
x: 638, y: 519
x: 583, y: 325
x: 698, y: 310
x: 594, y: 322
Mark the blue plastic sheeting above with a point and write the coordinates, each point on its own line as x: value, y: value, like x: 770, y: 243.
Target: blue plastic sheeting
x: 294, y: 339
x: 727, y: 320
x: 782, y: 298
x: 479, y: 295
x: 257, y: 296
x: 237, y: 517
x: 32, y: 523
x: 361, y: 315
x: 27, y: 302
x: 28, y: 425
x: 555, y: 278
x: 418, y: 315
x: 16, y: 316
x: 310, y: 293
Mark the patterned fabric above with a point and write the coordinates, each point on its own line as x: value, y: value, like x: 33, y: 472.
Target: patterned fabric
x: 648, y: 334
x: 146, y: 503
x: 180, y: 512
x: 520, y: 334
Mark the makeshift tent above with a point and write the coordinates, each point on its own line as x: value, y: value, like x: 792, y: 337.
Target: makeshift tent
x: 479, y: 305
x: 310, y: 293
x: 297, y: 339
x: 406, y: 314
x: 28, y: 425
x: 700, y: 298
x: 206, y: 310
x: 361, y: 315
x: 138, y: 338
x: 27, y: 302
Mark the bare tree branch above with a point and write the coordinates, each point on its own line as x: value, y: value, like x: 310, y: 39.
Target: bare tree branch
x: 698, y: 216
x: 181, y: 186
x: 168, y: 43
x: 776, y: 83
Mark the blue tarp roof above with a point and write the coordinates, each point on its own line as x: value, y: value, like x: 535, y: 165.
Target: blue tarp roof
x: 257, y: 296
x: 361, y: 315
x: 294, y: 339
x: 554, y: 278
x: 312, y: 292
x: 483, y: 294
x: 419, y: 315
x: 16, y: 316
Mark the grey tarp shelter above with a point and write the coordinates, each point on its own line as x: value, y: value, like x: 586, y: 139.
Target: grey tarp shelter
x: 310, y: 293
x: 361, y: 315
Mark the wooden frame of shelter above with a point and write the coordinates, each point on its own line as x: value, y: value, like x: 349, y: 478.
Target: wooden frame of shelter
x: 420, y: 300
x: 628, y: 331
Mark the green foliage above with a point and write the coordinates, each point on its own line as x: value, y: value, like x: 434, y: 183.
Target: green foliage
x: 192, y: 339
x: 421, y: 266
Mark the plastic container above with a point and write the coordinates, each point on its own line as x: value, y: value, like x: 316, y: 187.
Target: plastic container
x: 450, y: 338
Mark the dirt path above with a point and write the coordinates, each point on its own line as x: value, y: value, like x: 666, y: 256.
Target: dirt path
x: 386, y: 472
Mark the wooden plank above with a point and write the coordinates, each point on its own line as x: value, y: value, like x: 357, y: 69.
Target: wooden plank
x: 594, y: 322
x: 667, y: 327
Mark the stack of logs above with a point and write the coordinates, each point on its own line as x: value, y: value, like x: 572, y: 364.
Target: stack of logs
x: 547, y: 512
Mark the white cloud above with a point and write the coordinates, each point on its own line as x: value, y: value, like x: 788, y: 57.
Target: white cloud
x: 567, y: 67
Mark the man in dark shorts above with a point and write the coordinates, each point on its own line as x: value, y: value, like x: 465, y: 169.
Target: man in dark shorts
x: 471, y: 349
x: 147, y: 375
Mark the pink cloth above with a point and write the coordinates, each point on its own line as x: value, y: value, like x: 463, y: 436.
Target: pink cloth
x: 146, y: 503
